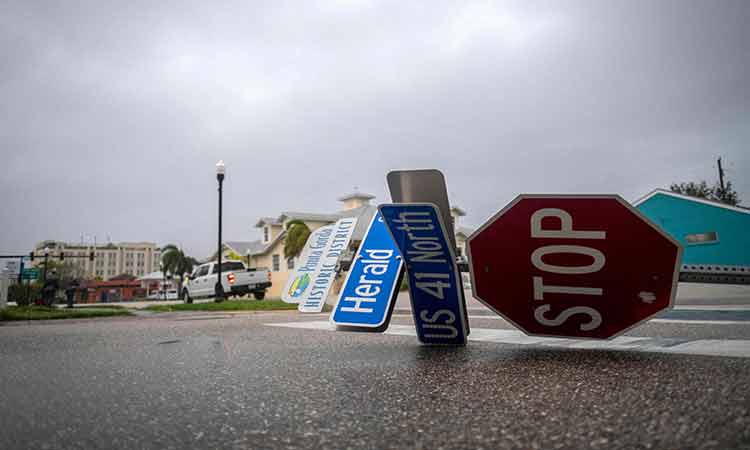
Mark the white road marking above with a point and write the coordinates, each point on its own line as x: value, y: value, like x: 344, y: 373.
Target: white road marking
x: 737, y: 348
x: 676, y: 307
x: 712, y: 307
x: 702, y: 322
x: 683, y: 321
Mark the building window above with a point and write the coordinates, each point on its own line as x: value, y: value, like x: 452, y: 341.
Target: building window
x: 290, y: 263
x: 265, y: 234
x: 275, y: 261
x: 709, y: 237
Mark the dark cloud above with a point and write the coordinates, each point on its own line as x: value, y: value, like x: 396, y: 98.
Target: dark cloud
x: 113, y: 115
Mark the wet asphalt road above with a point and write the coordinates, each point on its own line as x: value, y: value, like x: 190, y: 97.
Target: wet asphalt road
x: 200, y: 380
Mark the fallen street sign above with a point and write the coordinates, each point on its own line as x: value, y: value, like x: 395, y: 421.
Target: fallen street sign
x: 425, y: 186
x: 434, y: 281
x: 587, y: 266
x: 298, y: 281
x: 311, y: 281
x: 369, y: 293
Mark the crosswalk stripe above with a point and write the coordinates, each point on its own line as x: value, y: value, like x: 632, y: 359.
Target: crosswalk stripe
x: 683, y: 321
x: 738, y: 348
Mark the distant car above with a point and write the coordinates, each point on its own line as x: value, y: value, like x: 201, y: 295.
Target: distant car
x: 236, y: 280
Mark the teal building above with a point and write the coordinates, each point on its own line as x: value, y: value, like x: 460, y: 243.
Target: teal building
x: 715, y: 237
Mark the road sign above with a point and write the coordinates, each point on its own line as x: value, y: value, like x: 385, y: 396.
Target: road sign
x: 31, y: 273
x: 425, y: 186
x: 311, y: 281
x: 573, y: 266
x: 13, y: 267
x: 371, y: 287
x: 434, y: 281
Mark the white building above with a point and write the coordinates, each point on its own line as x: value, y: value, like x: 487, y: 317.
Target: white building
x: 132, y: 258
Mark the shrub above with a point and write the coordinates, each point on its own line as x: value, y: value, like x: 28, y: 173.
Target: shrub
x: 24, y: 294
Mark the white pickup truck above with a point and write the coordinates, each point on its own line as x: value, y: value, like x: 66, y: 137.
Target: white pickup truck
x: 236, y: 280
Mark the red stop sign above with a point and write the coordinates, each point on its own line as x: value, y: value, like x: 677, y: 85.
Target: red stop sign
x: 585, y: 266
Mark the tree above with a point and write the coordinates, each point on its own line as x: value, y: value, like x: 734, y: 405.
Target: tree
x: 700, y: 190
x: 725, y: 194
x: 66, y: 271
x: 176, y: 262
x: 233, y: 255
x: 297, y: 233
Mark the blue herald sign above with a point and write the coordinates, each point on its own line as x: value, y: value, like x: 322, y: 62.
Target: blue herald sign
x: 434, y: 281
x: 369, y: 293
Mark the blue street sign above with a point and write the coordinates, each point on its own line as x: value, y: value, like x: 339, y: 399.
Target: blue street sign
x: 369, y: 293
x: 434, y: 281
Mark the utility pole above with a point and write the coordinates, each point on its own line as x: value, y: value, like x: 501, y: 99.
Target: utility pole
x: 721, y: 174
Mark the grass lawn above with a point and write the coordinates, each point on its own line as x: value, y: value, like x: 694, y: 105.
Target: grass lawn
x: 44, y: 313
x: 229, y: 305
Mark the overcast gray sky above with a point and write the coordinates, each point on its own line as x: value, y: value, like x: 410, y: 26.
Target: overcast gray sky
x: 113, y: 114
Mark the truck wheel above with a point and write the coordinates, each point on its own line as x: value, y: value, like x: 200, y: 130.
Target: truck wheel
x: 186, y: 296
x: 259, y: 295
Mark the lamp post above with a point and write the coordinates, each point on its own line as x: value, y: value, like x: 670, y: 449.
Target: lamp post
x: 219, y: 290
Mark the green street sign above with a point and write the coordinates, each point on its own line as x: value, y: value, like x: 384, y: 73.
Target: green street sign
x: 30, y: 274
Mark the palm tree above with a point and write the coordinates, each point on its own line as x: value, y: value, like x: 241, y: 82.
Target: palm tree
x: 176, y: 262
x: 297, y: 233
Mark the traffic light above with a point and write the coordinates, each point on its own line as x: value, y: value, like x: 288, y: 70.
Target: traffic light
x: 91, y: 256
x: 62, y: 256
x: 31, y: 255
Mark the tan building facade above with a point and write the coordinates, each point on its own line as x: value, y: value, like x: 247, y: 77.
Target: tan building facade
x: 268, y: 252
x: 131, y: 258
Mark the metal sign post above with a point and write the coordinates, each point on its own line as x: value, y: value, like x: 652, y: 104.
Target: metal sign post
x: 423, y: 186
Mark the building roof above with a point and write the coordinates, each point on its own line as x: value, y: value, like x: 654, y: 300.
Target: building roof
x: 704, y: 201
x: 313, y: 217
x: 111, y: 283
x: 268, y: 246
x: 356, y: 195
x: 267, y: 221
x: 464, y: 231
x: 54, y: 245
x: 243, y: 248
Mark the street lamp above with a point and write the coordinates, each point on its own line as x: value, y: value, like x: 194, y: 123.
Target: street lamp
x: 219, y: 290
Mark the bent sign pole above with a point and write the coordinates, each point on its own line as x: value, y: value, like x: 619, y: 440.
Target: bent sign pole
x: 434, y: 281
x: 582, y: 266
x: 369, y: 293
